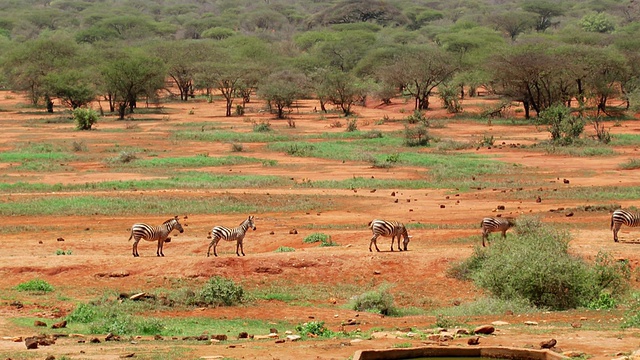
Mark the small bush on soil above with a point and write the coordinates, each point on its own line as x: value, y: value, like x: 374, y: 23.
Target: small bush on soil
x: 85, y: 118
x: 315, y: 328
x: 237, y: 147
x: 630, y: 164
x: 263, y: 126
x: 284, y: 249
x: 83, y: 313
x: 536, y: 265
x: 316, y: 237
x: 564, y: 127
x: 35, y: 285
x: 632, y: 315
x: 352, y: 125
x: 416, y: 135
x: 379, y: 301
x: 219, y: 291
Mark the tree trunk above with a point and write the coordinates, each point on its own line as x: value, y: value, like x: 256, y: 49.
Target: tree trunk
x: 122, y: 108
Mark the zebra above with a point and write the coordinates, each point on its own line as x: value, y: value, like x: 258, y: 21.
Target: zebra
x: 619, y: 217
x: 491, y: 224
x: 154, y: 233
x: 230, y: 234
x: 391, y: 229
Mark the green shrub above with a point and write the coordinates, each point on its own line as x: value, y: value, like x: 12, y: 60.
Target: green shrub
x: 85, y: 118
x: 536, y: 265
x: 417, y: 135
x: 237, y: 147
x: 315, y: 328
x: 379, y: 301
x: 630, y: 164
x: 316, y: 237
x: 632, y: 315
x: 63, y: 252
x: 327, y: 242
x: 83, y: 313
x: 285, y: 249
x: 352, y: 125
x: 564, y: 127
x: 35, y: 285
x: 263, y: 126
x: 219, y: 291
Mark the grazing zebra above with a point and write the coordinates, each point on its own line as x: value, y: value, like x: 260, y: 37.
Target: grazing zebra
x: 490, y: 225
x: 230, y: 234
x: 154, y: 233
x: 391, y: 229
x: 619, y: 217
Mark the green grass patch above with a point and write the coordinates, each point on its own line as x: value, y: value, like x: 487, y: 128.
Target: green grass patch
x: 625, y: 139
x: 379, y: 301
x: 316, y: 237
x: 282, y: 249
x: 487, y: 306
x: 192, y: 162
x: 230, y: 136
x: 630, y: 164
x: 590, y: 194
x: 149, y: 204
x: 35, y: 286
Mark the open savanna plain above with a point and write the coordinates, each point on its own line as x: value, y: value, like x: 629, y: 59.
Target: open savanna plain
x: 68, y: 199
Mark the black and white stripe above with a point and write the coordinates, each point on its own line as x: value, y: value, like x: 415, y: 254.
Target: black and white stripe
x: 491, y: 224
x: 153, y: 233
x: 230, y: 234
x: 619, y: 217
x: 391, y: 229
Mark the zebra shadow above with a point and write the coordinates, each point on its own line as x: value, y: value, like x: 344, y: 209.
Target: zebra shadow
x: 632, y: 241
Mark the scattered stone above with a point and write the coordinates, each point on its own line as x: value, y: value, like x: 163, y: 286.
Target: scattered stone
x: 569, y: 214
x: 137, y: 296
x: 16, y: 339
x: 393, y: 193
x: 280, y: 341
x: 39, y: 323
x: 355, y: 341
x: 112, y: 337
x: 372, y: 190
x: 293, y: 231
x: 50, y: 357
x: 395, y: 201
x: 500, y: 207
x: 273, y: 330
x: 294, y: 337
x: 484, y: 329
x: 221, y: 337
x: 95, y: 340
x: 60, y: 239
x: 60, y: 325
x: 474, y: 340
x: 158, y: 337
x: 125, y: 356
x: 576, y: 325
x: 376, y: 272
x: 461, y: 332
x: 531, y: 323
x: 272, y: 233
x: 31, y: 343
x: 243, y: 335
x: 538, y: 199
x: 442, y: 206
x: 566, y: 181
x: 548, y: 344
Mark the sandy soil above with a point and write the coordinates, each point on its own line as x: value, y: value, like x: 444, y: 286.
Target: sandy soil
x: 100, y: 247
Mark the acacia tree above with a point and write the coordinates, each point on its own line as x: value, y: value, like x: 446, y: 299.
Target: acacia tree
x: 73, y: 87
x: 281, y: 89
x: 131, y: 76
x: 342, y: 89
x: 181, y: 59
x: 419, y: 70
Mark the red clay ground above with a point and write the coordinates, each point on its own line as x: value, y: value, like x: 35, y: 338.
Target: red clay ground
x: 100, y: 247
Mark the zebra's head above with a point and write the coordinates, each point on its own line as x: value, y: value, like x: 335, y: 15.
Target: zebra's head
x: 174, y: 224
x: 250, y: 223
x: 406, y: 239
x: 511, y: 221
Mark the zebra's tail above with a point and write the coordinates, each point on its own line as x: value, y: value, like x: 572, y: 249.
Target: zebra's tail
x: 130, y: 236
x: 481, y: 222
x: 369, y: 225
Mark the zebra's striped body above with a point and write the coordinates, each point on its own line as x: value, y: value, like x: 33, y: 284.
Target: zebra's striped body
x: 153, y: 233
x: 619, y: 217
x: 490, y: 225
x: 390, y: 229
x: 230, y: 234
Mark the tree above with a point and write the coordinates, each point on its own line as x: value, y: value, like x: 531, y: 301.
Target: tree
x: 181, y: 59
x: 342, y: 89
x: 351, y: 11
x: 597, y: 22
x: 418, y: 70
x: 281, y: 89
x: 513, y: 23
x: 74, y: 87
x: 131, y: 76
x: 545, y: 9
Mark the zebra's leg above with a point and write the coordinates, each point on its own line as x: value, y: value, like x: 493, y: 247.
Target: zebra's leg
x: 399, y: 248
x: 159, y: 249
x: 135, y: 247
x: 485, y: 235
x: 210, y: 245
x: 504, y: 234
x: 215, y: 245
x: 241, y: 246
x: 373, y: 241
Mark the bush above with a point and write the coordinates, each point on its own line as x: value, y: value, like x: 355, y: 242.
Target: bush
x: 379, y: 301
x: 632, y: 315
x: 417, y: 135
x: 284, y: 249
x: 237, y: 147
x: 535, y: 265
x: 564, y: 127
x: 35, y: 285
x: 85, y: 118
x: 352, y: 125
x: 316, y: 237
x: 263, y: 126
x: 315, y: 328
x: 219, y: 291
x: 83, y: 313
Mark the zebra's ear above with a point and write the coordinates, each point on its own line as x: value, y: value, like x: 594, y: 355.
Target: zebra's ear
x: 176, y: 217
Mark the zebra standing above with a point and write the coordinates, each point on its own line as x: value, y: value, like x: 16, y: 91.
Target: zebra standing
x: 391, y: 229
x: 619, y: 217
x: 490, y: 225
x: 154, y: 233
x: 231, y: 234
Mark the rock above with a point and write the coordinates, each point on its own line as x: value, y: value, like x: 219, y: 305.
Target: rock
x: 442, y: 206
x: 243, y: 335
x: 60, y: 325
x: 50, y: 357
x: 569, y: 214
x: 474, y: 340
x: 273, y: 335
x: 293, y: 231
x: 39, y: 323
x: 294, y: 337
x: 531, y: 323
x: 273, y: 330
x: 95, y: 340
x: 461, y: 332
x: 280, y: 341
x: 574, y: 354
x: 223, y: 337
x: 566, y: 181
x: 60, y: 239
x: 500, y: 207
x: 576, y: 325
x: 112, y: 337
x: 538, y: 199
x: 484, y: 329
x: 548, y: 344
x: 158, y: 337
x: 31, y: 343
x: 125, y: 356
x: 355, y: 341
x: 137, y: 296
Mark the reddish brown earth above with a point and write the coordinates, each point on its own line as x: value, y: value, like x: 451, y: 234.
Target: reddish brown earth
x: 100, y: 246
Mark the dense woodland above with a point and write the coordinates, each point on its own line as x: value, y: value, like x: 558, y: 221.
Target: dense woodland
x: 537, y: 53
